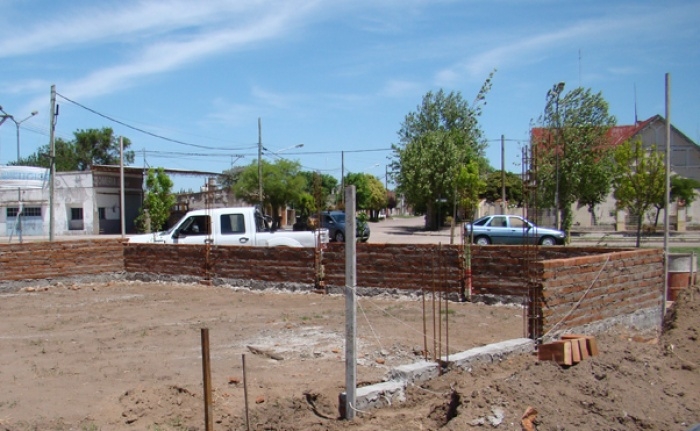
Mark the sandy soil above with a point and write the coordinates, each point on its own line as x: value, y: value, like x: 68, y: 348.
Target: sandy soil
x: 127, y: 355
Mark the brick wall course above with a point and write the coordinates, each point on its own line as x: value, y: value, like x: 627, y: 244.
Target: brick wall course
x: 620, y: 280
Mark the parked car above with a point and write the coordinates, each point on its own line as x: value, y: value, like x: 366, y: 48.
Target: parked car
x: 334, y: 221
x: 511, y: 229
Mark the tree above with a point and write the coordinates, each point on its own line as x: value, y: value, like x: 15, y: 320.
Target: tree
x: 574, y: 158
x: 89, y: 147
x: 493, y: 188
x: 370, y: 194
x: 682, y: 190
x: 282, y: 184
x: 157, y: 202
x: 434, y: 141
x: 327, y: 184
x: 639, y: 180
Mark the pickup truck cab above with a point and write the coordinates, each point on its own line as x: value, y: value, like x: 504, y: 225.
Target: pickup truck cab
x: 231, y: 226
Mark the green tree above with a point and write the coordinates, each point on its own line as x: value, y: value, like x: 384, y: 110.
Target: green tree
x: 327, y: 185
x: 682, y: 190
x: 493, y: 188
x: 157, y: 203
x: 434, y: 141
x: 469, y: 186
x: 639, y: 180
x: 362, y: 190
x: 88, y: 147
x: 282, y: 184
x: 574, y: 157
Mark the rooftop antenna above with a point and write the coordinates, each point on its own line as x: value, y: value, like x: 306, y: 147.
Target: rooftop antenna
x: 579, y: 67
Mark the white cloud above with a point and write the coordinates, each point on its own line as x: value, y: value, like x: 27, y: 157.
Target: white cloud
x: 621, y: 24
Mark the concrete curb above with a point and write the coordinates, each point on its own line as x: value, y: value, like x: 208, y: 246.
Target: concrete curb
x: 398, y: 378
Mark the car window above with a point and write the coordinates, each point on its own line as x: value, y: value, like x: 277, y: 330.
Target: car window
x: 232, y: 224
x: 195, y: 225
x: 498, y: 221
x: 481, y: 221
x: 339, y: 218
x: 517, y: 222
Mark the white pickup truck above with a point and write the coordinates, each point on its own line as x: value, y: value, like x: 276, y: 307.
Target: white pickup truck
x: 231, y: 226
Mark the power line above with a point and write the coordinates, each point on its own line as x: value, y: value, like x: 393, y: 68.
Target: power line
x: 146, y: 132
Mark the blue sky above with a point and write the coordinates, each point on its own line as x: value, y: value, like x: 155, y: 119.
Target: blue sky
x: 336, y: 76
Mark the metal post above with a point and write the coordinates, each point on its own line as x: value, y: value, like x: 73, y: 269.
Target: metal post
x: 342, y: 175
x: 350, y: 304
x: 503, y: 174
x: 52, y: 159
x: 260, y: 179
x: 206, y: 372
x: 667, y: 197
x: 122, y: 210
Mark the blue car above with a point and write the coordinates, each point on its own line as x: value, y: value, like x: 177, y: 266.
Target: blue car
x: 334, y: 221
x: 511, y: 229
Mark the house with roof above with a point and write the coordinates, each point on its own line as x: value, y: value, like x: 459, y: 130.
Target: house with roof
x: 685, y: 162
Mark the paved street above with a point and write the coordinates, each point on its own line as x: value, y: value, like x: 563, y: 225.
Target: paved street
x: 409, y: 230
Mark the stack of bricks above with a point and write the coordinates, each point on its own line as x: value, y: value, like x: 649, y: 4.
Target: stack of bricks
x: 570, y: 350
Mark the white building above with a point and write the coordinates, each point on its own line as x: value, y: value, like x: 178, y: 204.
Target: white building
x: 85, y: 202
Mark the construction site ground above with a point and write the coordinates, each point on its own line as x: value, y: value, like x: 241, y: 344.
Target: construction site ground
x: 127, y: 356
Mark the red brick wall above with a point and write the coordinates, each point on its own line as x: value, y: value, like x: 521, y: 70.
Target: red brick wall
x: 625, y: 280
x: 279, y: 264
x: 607, y: 285
x: 42, y: 260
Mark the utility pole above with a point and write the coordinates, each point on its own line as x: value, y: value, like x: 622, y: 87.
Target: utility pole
x: 342, y: 176
x: 348, y: 399
x: 122, y: 211
x: 667, y: 197
x: 52, y: 158
x: 503, y: 174
x: 260, y: 180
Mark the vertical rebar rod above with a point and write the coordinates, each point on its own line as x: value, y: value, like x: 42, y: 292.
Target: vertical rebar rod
x: 245, y: 394
x: 206, y: 371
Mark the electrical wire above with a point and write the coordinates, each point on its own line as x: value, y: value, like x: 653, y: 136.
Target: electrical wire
x: 146, y: 132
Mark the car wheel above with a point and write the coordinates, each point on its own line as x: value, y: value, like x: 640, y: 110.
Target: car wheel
x: 339, y: 236
x: 482, y: 240
x: 548, y: 240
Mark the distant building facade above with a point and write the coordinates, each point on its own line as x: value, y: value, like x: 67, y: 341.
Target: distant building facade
x: 85, y: 202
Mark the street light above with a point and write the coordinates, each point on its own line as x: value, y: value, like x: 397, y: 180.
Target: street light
x: 5, y: 116
x: 274, y: 153
x: 555, y: 94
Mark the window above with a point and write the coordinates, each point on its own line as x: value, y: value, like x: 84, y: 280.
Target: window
x: 76, y: 219
x: 195, y: 225
x: 76, y: 213
x: 517, y: 223
x: 26, y: 212
x: 101, y: 214
x: 498, y: 221
x: 32, y: 212
x: 232, y: 224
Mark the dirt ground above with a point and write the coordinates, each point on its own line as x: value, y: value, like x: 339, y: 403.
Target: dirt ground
x: 127, y: 356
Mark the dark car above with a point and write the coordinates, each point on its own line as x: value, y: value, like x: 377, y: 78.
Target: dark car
x: 510, y: 229
x: 334, y: 221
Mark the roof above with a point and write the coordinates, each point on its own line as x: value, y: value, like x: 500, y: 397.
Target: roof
x: 616, y: 135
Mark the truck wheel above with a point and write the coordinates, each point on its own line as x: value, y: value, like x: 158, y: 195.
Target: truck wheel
x: 339, y: 236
